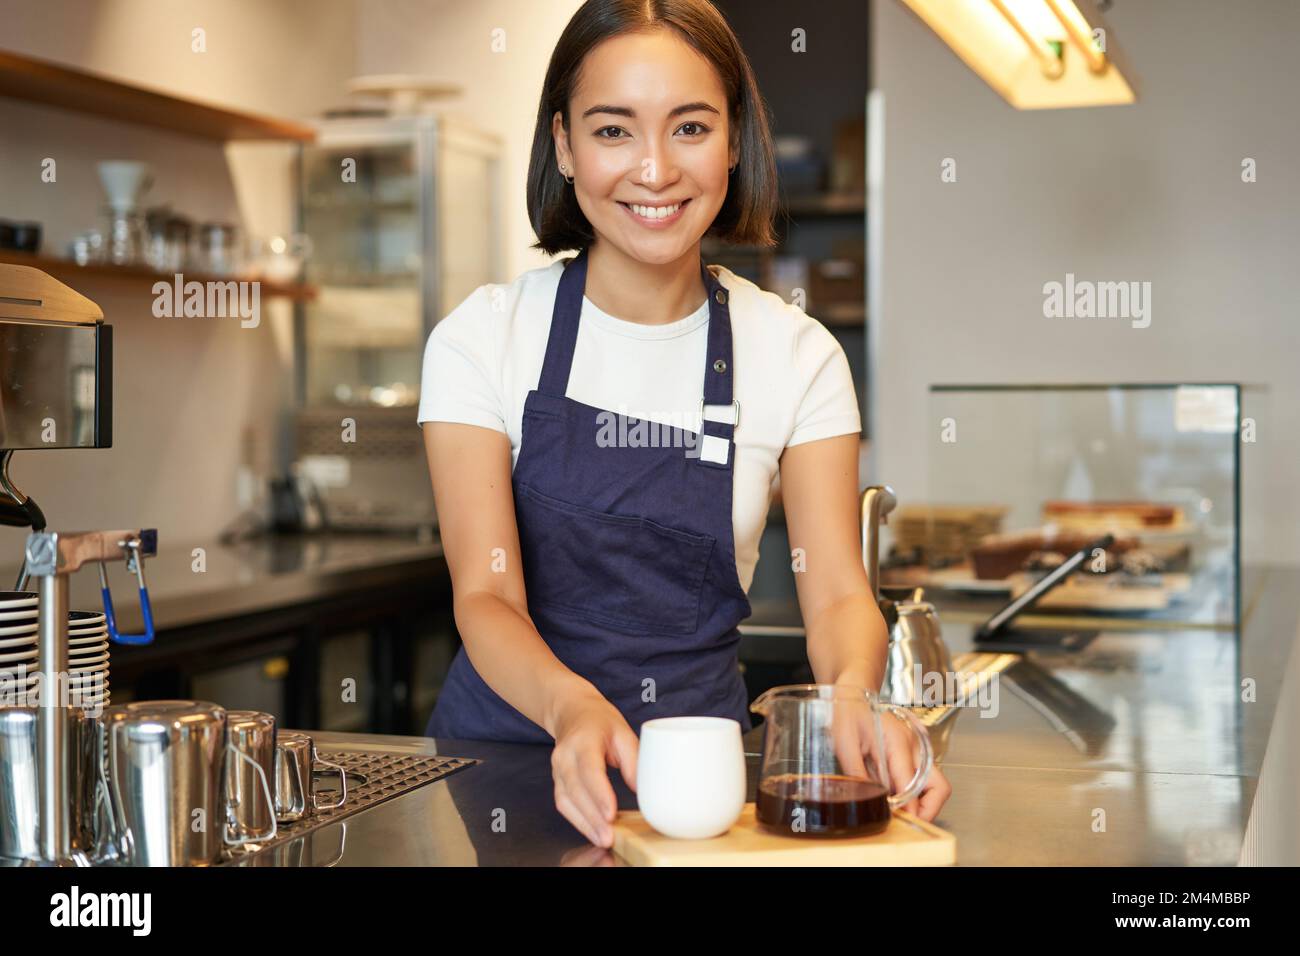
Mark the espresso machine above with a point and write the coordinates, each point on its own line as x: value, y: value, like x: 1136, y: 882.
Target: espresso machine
x: 82, y: 784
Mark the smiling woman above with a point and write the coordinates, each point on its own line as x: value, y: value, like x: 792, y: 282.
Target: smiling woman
x: 650, y: 51
x: 659, y: 136
x: 598, y: 578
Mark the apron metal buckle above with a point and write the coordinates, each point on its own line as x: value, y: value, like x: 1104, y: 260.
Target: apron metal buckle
x: 734, y: 421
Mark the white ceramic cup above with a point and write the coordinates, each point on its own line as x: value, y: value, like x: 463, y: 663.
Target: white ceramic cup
x: 690, y: 776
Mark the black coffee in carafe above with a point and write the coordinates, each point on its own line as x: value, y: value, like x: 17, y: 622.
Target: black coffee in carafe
x: 822, y: 805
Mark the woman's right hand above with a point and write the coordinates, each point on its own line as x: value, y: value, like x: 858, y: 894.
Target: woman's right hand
x: 590, y: 734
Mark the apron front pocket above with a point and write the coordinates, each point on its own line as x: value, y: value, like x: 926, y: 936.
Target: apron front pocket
x: 624, y: 572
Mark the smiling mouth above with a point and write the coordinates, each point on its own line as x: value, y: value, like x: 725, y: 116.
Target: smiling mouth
x: 654, y: 213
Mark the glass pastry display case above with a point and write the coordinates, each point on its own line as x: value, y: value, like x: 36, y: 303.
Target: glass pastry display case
x: 403, y: 220
x: 1022, y: 477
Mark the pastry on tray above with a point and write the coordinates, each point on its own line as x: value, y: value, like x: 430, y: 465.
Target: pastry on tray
x: 998, y: 555
x: 1104, y: 515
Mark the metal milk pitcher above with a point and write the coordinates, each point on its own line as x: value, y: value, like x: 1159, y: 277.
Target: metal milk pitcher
x: 169, y: 767
x: 919, y: 662
x: 250, y: 734
x: 20, y: 785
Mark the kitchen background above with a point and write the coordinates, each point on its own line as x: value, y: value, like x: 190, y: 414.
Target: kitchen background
x: 207, y: 412
x: 1152, y: 192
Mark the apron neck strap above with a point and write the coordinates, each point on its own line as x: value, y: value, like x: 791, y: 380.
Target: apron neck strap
x: 564, y: 328
x: 717, y: 365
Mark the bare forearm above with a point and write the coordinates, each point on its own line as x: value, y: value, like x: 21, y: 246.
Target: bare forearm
x: 511, y: 657
x: 847, y: 642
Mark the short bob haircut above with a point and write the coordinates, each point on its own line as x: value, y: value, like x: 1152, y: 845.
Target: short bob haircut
x: 747, y: 212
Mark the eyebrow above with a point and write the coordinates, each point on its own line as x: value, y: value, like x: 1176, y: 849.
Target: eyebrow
x: 631, y: 114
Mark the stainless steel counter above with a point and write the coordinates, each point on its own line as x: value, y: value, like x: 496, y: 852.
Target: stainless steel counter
x: 198, y: 582
x: 1137, y: 750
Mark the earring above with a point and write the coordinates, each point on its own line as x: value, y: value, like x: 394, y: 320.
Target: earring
x: 564, y: 169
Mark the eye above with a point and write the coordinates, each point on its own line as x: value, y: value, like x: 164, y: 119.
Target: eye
x: 693, y: 129
x: 611, y: 129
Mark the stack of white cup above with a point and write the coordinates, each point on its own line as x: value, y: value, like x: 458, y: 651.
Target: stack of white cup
x: 88, y: 652
x: 88, y: 656
x: 18, y: 652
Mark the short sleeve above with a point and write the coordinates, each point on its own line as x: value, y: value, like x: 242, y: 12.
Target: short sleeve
x: 827, y: 403
x: 461, y: 380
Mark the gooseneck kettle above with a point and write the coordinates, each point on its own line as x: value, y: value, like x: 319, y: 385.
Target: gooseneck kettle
x: 919, y: 665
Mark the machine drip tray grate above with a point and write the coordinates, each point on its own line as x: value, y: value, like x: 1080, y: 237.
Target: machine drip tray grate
x: 373, y: 777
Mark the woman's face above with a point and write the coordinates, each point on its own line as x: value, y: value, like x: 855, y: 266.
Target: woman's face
x: 648, y: 144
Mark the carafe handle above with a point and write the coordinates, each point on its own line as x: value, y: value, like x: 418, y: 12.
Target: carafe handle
x: 913, y: 788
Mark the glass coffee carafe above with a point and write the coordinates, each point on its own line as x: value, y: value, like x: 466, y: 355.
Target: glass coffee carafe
x: 825, y: 763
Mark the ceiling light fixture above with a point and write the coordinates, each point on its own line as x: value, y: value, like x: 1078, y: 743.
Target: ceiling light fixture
x: 1037, y: 54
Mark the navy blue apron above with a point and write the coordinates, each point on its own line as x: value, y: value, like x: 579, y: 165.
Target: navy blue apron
x: 629, y: 557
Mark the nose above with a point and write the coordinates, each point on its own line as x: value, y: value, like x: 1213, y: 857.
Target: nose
x: 658, y: 165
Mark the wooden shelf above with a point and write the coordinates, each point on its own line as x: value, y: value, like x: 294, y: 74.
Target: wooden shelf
x: 71, y: 273
x: 38, y: 81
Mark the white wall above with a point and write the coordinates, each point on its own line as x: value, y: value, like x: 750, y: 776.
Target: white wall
x: 281, y: 57
x: 1150, y: 192
x: 193, y: 397
x: 452, y: 40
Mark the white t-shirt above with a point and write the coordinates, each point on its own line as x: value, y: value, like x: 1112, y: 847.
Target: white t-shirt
x: 792, y: 378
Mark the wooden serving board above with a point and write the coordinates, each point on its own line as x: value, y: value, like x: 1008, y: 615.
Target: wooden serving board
x: 907, y: 841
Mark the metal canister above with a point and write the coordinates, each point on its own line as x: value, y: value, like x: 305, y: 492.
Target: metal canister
x: 252, y: 734
x: 165, y: 764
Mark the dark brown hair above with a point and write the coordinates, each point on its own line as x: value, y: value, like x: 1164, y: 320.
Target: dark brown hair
x: 747, y: 212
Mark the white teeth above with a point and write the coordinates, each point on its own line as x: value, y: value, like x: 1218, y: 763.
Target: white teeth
x: 654, y: 212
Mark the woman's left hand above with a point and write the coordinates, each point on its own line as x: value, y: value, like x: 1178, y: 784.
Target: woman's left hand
x: 854, y: 735
x: 900, y: 746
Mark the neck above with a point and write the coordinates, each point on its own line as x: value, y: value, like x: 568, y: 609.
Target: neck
x: 648, y: 293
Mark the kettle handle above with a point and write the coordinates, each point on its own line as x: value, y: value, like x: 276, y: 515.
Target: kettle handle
x: 877, y: 502
x: 913, y: 788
